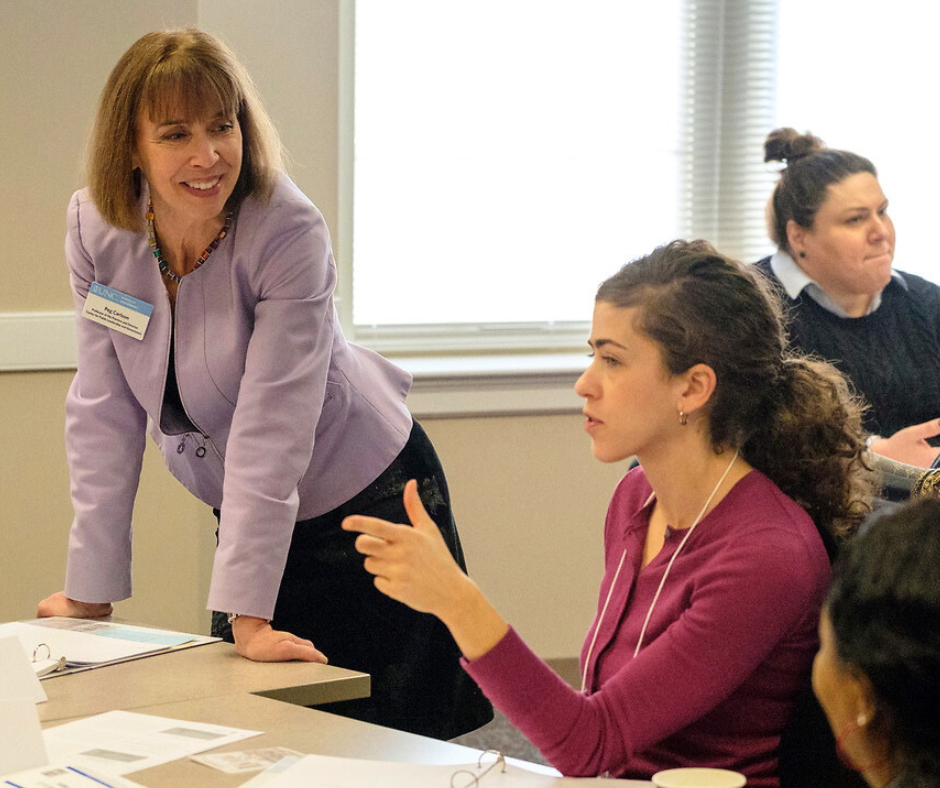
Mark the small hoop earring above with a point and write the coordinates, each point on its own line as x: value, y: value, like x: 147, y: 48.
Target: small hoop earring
x: 683, y: 418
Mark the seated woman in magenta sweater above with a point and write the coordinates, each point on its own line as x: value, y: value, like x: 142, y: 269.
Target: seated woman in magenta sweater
x: 715, y: 571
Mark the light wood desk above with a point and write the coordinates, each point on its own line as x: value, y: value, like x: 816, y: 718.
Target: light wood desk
x: 287, y: 725
x: 212, y: 684
x: 210, y: 671
x: 305, y: 730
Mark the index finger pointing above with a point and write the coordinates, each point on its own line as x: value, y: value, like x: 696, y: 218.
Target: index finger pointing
x: 373, y: 526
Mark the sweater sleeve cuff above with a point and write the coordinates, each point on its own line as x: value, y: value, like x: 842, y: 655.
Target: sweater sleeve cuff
x: 513, y: 677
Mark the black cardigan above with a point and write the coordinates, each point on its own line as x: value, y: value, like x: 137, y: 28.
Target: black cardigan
x: 892, y: 356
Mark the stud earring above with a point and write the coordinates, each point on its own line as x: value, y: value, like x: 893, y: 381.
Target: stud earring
x: 851, y: 727
x: 802, y: 255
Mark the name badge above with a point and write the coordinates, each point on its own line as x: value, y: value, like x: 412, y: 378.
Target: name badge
x: 117, y: 310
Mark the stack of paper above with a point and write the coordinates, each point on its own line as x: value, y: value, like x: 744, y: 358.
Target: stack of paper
x: 65, y: 777
x: 82, y: 643
x: 113, y: 744
x: 121, y: 742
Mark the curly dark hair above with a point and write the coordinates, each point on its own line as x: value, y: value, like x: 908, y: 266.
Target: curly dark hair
x: 811, y: 169
x: 791, y: 417
x: 884, y: 606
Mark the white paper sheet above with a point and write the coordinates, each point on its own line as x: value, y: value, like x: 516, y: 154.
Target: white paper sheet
x: 121, y: 742
x: 21, y: 741
x: 55, y: 776
x: 327, y: 772
x: 244, y: 761
x: 17, y: 677
x: 264, y: 779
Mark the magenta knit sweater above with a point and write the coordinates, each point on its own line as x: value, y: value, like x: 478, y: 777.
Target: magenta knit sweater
x: 729, y: 643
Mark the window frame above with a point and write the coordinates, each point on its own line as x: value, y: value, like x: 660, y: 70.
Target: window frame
x: 711, y: 159
x: 487, y: 369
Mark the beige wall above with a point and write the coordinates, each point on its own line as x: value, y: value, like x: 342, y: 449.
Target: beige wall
x: 54, y: 58
x: 173, y: 532
x: 530, y: 500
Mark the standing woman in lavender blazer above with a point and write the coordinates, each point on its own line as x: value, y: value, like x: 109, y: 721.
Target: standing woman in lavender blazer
x: 245, y: 381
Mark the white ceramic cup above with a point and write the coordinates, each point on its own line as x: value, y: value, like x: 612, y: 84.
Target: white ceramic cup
x: 699, y: 778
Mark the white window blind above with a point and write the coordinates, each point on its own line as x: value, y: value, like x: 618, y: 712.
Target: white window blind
x: 729, y: 107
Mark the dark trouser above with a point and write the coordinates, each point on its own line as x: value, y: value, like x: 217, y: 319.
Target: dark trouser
x: 327, y: 596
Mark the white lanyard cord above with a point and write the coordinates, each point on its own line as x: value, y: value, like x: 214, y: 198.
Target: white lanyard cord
x: 600, y: 620
x: 649, y: 613
x: 662, y: 582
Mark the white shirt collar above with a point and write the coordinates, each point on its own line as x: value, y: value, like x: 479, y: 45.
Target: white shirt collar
x: 795, y: 280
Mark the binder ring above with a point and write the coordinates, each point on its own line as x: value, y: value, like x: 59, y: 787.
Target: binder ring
x: 37, y: 651
x: 500, y: 760
x: 475, y: 778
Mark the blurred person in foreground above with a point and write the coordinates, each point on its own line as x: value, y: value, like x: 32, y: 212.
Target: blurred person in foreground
x: 877, y: 673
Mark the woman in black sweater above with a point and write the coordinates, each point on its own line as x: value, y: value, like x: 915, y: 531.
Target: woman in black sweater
x: 829, y: 219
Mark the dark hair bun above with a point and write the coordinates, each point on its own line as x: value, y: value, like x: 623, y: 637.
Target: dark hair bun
x: 788, y: 145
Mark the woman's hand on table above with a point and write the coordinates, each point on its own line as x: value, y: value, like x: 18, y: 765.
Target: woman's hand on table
x: 909, y: 445
x: 413, y: 565
x: 60, y: 605
x: 257, y: 640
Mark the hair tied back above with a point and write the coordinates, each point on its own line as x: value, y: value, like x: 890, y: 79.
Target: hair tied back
x: 788, y: 145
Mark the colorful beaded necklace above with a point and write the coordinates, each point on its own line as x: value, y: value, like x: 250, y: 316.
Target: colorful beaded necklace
x: 164, y: 267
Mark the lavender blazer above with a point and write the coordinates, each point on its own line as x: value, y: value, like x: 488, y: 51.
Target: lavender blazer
x: 292, y: 420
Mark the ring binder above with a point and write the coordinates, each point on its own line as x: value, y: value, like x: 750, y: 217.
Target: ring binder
x: 43, y: 662
x: 60, y: 645
x: 474, y: 777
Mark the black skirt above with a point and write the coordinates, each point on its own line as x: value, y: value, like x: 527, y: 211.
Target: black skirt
x: 327, y: 596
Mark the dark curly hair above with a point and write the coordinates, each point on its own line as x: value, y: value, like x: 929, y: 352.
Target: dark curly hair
x: 811, y: 169
x: 884, y: 606
x: 791, y: 417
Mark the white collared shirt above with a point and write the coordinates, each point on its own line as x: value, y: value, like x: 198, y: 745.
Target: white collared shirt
x: 795, y: 280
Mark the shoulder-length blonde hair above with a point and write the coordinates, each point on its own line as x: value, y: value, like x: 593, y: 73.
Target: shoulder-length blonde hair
x: 175, y: 70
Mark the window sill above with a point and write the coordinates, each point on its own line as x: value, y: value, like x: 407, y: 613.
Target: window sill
x: 493, y: 385
x: 445, y: 386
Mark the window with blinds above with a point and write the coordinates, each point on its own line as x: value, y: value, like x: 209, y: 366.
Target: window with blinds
x: 508, y: 155
x: 729, y: 106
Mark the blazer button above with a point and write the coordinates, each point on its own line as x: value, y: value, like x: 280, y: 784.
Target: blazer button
x: 201, y: 451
